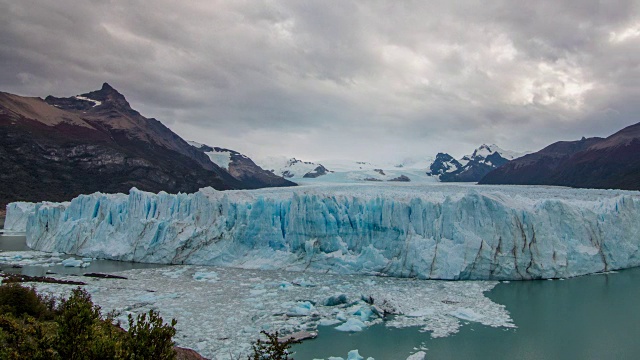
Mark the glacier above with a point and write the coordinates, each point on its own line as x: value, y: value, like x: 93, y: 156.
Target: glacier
x: 17, y: 215
x: 425, y: 231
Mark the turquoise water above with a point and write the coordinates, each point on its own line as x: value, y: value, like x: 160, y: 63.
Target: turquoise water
x: 589, y: 317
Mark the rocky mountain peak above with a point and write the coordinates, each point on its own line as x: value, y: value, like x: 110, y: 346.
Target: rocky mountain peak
x: 105, y: 98
x: 109, y: 95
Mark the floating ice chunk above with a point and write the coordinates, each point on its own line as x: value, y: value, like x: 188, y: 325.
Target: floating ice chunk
x: 71, y: 262
x: 466, y: 314
x: 365, y: 313
x: 421, y: 312
x: 303, y: 282
x: 256, y: 292
x: 285, y: 285
x: 302, y: 308
x: 354, y: 355
x: 352, y: 325
x: 328, y: 322
x: 335, y: 358
x: 175, y: 273
x: 210, y: 276
x: 420, y: 355
x: 336, y: 300
x: 341, y: 316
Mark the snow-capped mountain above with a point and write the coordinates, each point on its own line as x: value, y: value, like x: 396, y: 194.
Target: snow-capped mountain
x: 241, y: 167
x: 348, y: 171
x: 292, y: 168
x: 470, y: 168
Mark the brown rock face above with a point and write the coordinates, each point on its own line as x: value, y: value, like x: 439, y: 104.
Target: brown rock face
x: 187, y: 354
x: 245, y: 170
x: 613, y: 163
x: 58, y: 148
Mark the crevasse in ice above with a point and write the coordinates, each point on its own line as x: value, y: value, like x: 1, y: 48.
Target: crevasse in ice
x: 430, y: 232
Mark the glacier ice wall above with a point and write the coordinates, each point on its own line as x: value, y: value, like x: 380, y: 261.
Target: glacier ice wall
x: 436, y: 232
x: 17, y: 216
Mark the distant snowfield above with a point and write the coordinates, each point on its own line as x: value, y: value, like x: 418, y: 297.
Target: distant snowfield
x: 220, y: 311
x: 428, y: 231
x: 347, y: 171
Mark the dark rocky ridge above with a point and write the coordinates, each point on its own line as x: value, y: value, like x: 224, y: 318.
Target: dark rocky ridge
x: 59, y: 148
x: 613, y: 162
x: 476, y: 167
x: 318, y: 171
x: 245, y: 170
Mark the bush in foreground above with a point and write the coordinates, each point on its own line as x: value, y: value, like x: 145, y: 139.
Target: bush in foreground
x: 272, y: 349
x: 36, y: 327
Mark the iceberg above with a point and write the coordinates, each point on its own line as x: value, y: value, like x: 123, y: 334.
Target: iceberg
x: 428, y: 232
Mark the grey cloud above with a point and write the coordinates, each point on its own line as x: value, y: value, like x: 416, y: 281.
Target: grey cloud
x: 340, y: 78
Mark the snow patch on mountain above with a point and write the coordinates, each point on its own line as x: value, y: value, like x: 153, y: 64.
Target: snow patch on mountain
x: 95, y: 102
x: 292, y: 168
x: 220, y: 158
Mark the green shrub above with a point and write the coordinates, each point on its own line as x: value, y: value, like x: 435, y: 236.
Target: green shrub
x: 149, y: 338
x: 32, y: 327
x: 19, y: 301
x: 77, y: 321
x: 25, y: 338
x: 272, y: 349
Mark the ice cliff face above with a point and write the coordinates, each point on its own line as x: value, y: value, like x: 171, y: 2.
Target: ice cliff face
x: 17, y: 216
x: 437, y: 232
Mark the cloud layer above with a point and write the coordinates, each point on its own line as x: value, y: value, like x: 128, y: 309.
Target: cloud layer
x: 340, y: 79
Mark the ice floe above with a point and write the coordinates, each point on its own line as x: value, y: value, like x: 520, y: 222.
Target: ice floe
x: 223, y: 318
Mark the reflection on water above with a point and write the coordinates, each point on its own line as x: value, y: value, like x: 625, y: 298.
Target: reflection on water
x: 19, y: 243
x: 589, y: 317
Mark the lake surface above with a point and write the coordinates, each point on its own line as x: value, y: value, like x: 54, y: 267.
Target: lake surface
x: 19, y: 243
x: 589, y: 317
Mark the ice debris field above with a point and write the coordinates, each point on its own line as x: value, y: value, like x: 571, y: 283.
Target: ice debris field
x: 220, y: 311
x: 433, y: 231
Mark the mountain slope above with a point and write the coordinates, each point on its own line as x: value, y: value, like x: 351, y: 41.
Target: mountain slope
x: 471, y: 168
x: 613, y: 162
x: 242, y: 167
x: 61, y: 147
x: 538, y: 167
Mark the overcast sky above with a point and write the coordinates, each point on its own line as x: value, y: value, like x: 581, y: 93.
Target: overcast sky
x: 364, y: 80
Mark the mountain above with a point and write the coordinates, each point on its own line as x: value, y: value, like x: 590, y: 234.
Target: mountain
x: 57, y: 148
x: 470, y: 168
x: 613, y: 162
x: 293, y: 168
x: 443, y: 164
x: 242, y: 167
